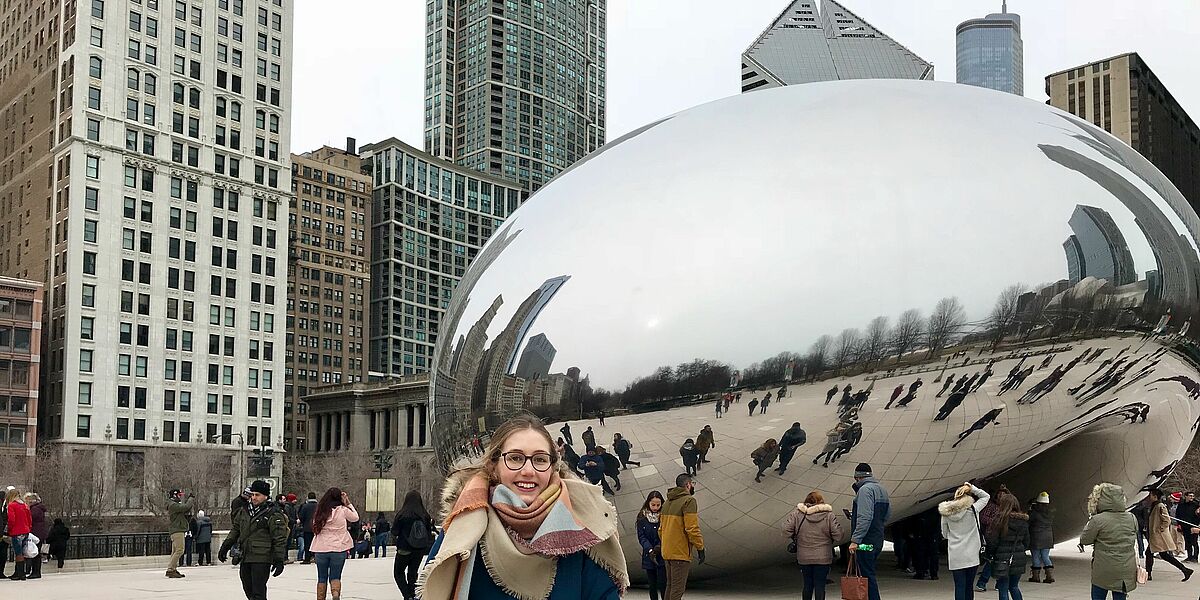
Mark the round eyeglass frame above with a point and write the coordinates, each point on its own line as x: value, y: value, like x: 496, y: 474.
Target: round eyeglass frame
x: 526, y: 458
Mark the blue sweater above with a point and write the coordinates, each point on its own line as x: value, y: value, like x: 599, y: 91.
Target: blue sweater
x: 578, y: 578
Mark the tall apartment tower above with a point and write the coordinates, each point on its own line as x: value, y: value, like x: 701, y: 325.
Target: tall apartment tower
x: 145, y: 171
x: 990, y: 53
x: 430, y: 218
x: 1122, y: 96
x: 20, y: 367
x: 328, y: 271
x: 805, y: 44
x: 515, y: 90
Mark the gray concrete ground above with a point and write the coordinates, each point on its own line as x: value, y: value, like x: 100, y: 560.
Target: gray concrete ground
x: 372, y: 579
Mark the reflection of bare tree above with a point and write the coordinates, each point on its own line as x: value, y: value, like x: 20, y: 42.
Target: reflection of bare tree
x: 845, y: 348
x: 907, y: 333
x: 875, y: 342
x: 947, y: 318
x: 818, y: 354
x: 1004, y: 313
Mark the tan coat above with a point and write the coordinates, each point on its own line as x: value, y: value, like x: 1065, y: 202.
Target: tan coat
x: 816, y: 530
x: 1161, y: 539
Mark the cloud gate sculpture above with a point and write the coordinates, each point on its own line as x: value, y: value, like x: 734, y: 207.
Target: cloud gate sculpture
x: 946, y: 282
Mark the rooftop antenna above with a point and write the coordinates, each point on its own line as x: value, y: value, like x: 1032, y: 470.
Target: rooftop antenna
x: 1003, y: 6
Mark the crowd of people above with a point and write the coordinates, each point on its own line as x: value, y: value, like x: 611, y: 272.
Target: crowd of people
x: 26, y: 533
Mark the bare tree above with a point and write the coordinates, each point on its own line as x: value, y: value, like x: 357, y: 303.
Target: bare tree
x: 412, y: 470
x: 846, y: 348
x: 907, y: 332
x: 875, y: 342
x: 73, y: 485
x: 945, y: 322
x: 209, y: 473
x: 1004, y: 313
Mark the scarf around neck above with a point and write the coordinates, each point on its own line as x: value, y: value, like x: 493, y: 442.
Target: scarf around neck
x: 651, y: 516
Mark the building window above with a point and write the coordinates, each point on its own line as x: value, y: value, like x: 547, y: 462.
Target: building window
x: 85, y: 393
x: 83, y: 426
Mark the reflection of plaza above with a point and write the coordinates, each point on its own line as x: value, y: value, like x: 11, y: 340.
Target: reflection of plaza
x: 917, y: 457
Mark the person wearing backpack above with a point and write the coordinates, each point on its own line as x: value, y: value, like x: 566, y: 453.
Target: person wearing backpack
x: 413, y: 530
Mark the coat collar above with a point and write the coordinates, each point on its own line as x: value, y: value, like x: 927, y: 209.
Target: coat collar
x: 956, y: 506
x: 814, y: 509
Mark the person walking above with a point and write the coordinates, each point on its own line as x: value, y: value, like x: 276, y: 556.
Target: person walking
x: 764, y: 457
x: 566, y: 433
x: 1041, y: 538
x: 946, y: 385
x: 1007, y: 541
x: 1111, y: 531
x: 593, y: 470
x: 871, y: 510
x: 260, y: 530
x: 680, y: 531
x: 690, y: 455
x: 20, y: 525
x: 331, y: 540
x: 814, y: 530
x: 895, y: 394
x: 623, y: 449
x: 413, y: 532
x: 60, y: 534
x: 1161, y: 542
x: 720, y: 406
x: 753, y: 404
x: 589, y: 438
x: 305, y: 515
x: 612, y: 466
x: 382, y: 529
x: 791, y: 441
x: 40, y: 530
x: 568, y: 455
x: 544, y: 533
x: 961, y: 529
x: 647, y: 524
x: 830, y: 394
x: 704, y: 443
x: 178, y: 510
x: 204, y: 531
x: 766, y: 401
x: 832, y: 438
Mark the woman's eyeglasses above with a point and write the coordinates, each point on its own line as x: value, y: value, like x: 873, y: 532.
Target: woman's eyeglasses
x: 515, y: 460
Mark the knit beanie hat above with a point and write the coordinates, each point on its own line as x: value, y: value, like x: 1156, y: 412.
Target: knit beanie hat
x: 862, y: 470
x: 1043, y: 498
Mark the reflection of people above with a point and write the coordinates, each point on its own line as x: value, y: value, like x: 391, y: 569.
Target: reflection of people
x: 720, y: 405
x: 830, y: 394
x: 871, y: 510
x: 704, y: 442
x: 569, y: 455
x: 814, y: 529
x: 831, y: 443
x: 612, y: 466
x: 601, y: 418
x: 593, y: 469
x: 589, y: 438
x: 555, y: 535
x: 623, y: 449
x: 978, y: 425
x: 951, y: 403
x: 691, y: 456
x: 912, y: 392
x: 900, y: 388
x: 566, y: 431
x: 679, y: 528
x: 945, y: 386
x: 1114, y: 565
x: 766, y: 401
x: 791, y: 441
x: 850, y: 438
x: 764, y: 457
x: 752, y: 405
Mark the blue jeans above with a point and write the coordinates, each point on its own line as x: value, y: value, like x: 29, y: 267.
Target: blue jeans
x: 814, y: 581
x: 1099, y: 593
x: 867, y: 563
x: 1041, y: 558
x: 985, y: 574
x: 381, y: 540
x: 299, y: 547
x: 964, y: 579
x: 329, y: 566
x: 1009, y: 586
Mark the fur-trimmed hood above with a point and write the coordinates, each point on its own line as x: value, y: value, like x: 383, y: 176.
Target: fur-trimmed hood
x: 950, y: 508
x: 814, y: 509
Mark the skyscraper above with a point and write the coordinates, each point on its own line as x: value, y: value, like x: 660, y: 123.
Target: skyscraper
x: 1122, y: 96
x: 515, y: 90
x: 804, y: 45
x: 154, y: 137
x: 1097, y: 248
x: 989, y: 52
x: 429, y: 219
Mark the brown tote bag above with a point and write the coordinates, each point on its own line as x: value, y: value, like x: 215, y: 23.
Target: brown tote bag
x: 854, y: 585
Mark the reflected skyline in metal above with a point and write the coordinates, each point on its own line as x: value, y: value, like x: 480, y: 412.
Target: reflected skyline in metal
x: 874, y: 234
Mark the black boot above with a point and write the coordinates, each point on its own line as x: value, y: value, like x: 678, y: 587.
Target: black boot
x: 36, y: 566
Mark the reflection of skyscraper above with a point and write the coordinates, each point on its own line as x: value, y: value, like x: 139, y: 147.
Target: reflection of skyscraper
x: 1098, y: 248
x: 536, y: 358
x: 804, y: 45
x: 543, y: 297
x: 989, y: 52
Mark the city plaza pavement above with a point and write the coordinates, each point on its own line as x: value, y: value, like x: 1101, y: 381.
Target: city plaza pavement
x: 371, y: 579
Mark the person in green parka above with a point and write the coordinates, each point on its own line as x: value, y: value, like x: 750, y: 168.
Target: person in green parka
x: 1113, y: 533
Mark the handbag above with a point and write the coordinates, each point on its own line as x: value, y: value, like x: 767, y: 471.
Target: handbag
x: 1142, y: 575
x: 792, y: 544
x: 854, y: 585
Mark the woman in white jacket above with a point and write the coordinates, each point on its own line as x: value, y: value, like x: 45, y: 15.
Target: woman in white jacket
x: 960, y: 527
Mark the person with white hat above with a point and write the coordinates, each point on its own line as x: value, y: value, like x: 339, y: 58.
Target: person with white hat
x: 1041, y: 538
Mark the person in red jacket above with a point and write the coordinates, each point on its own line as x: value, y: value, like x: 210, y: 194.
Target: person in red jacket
x: 20, y: 524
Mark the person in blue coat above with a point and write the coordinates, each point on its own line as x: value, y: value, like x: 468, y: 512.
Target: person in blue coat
x: 518, y: 524
x: 647, y: 532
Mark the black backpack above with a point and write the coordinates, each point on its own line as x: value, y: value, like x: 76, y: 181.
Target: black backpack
x: 418, y: 537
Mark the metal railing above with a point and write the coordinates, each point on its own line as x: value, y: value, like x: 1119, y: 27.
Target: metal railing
x: 114, y: 545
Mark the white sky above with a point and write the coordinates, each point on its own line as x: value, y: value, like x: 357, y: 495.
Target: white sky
x: 358, y: 63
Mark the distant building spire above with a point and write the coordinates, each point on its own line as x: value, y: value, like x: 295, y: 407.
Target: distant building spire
x: 1003, y: 6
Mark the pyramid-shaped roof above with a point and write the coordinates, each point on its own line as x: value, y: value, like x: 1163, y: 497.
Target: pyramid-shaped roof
x: 805, y: 44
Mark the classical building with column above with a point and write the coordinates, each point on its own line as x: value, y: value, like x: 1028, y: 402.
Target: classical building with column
x: 368, y: 416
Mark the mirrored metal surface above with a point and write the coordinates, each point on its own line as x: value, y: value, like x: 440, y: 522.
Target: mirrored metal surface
x: 946, y: 282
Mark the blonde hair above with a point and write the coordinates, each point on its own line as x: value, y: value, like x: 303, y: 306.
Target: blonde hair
x: 32, y: 497
x: 12, y: 496
x: 962, y: 491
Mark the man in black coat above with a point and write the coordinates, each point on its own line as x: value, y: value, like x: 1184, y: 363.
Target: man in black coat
x: 612, y: 466
x: 1186, y: 511
x: 791, y: 441
x: 305, y: 515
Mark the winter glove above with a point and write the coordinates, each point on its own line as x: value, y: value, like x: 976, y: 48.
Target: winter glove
x: 223, y: 555
x: 700, y: 557
x: 277, y: 569
x: 657, y: 551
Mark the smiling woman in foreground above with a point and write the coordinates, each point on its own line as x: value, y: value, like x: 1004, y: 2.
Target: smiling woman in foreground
x: 519, y: 525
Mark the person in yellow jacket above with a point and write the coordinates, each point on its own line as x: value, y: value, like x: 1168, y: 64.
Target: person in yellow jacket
x: 679, y: 528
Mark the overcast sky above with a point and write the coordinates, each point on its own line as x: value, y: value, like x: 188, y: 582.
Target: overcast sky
x: 358, y: 63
